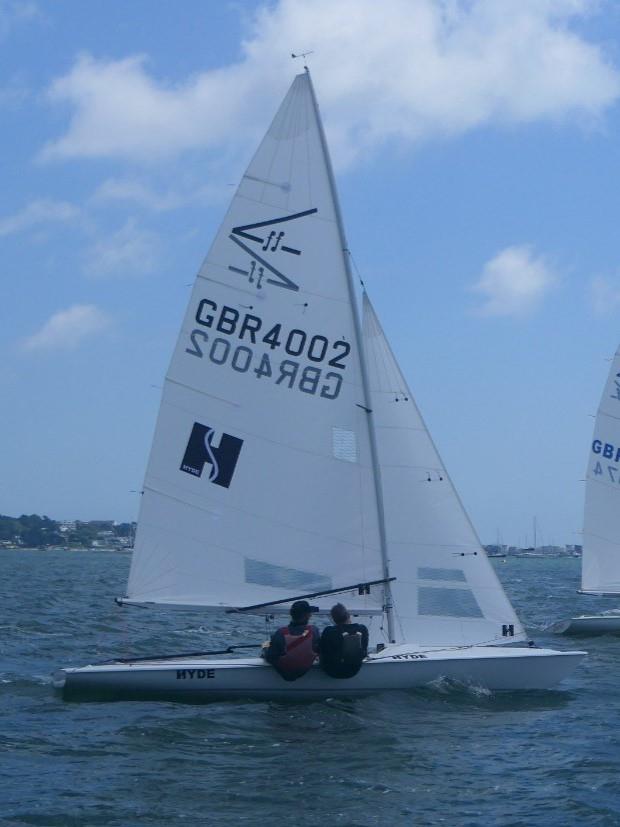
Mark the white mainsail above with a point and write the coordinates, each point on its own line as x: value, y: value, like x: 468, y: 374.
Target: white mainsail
x: 260, y: 483
x: 446, y: 591
x: 600, y: 565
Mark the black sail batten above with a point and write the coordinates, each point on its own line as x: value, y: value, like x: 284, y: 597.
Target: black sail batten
x: 363, y: 588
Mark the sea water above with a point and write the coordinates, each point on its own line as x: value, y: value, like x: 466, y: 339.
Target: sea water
x: 445, y: 755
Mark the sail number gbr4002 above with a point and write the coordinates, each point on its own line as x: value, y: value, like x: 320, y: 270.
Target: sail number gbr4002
x: 244, y: 343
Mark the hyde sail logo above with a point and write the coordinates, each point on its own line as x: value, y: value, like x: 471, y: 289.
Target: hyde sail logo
x: 221, y: 456
x: 262, y: 241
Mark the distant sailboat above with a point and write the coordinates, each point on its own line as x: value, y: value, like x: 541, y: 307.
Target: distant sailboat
x: 290, y: 460
x: 600, y: 561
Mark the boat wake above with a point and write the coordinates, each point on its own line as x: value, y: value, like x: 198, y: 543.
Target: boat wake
x: 449, y: 686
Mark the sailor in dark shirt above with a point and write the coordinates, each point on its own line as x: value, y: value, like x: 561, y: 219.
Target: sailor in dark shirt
x: 343, y: 646
x: 294, y: 648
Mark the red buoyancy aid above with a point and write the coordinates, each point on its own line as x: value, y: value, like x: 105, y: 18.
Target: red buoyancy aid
x: 299, y: 654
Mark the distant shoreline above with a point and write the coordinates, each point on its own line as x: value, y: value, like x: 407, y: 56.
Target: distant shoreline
x: 123, y: 549
x: 528, y: 555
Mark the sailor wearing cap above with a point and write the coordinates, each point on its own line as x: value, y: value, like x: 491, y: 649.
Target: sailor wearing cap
x: 294, y: 648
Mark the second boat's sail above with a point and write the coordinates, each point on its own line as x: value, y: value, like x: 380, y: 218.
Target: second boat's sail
x: 600, y: 565
x: 445, y: 591
x: 260, y: 484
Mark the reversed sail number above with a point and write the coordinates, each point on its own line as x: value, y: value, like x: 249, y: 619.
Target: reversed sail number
x: 286, y: 372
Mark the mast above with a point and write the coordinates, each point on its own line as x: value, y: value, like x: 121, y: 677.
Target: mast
x: 389, y: 609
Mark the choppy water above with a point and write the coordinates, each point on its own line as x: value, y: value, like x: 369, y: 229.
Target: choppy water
x: 439, y: 756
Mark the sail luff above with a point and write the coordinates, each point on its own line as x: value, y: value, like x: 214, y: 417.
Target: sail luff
x: 364, y: 371
x: 600, y: 562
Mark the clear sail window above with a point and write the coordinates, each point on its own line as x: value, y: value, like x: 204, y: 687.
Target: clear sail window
x: 443, y: 602
x: 453, y: 575
x: 267, y: 574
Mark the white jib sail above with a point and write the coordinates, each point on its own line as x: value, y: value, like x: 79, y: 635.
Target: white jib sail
x: 446, y: 591
x: 600, y: 565
x: 259, y: 484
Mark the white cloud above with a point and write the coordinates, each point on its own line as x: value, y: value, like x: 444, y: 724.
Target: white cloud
x: 514, y: 282
x: 41, y: 211
x: 129, y: 251
x: 67, y: 328
x: 604, y: 296
x: 394, y: 70
x: 136, y: 192
x: 141, y: 194
x: 120, y: 111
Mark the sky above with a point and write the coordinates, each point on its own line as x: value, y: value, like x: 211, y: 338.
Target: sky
x: 476, y: 148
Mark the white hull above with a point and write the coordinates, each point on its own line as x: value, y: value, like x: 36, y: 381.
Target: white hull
x: 589, y: 625
x: 399, y: 668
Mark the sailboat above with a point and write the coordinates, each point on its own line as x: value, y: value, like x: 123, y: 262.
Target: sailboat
x: 290, y: 461
x: 600, y: 561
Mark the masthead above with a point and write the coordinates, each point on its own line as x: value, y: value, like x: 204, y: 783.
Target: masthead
x: 303, y: 55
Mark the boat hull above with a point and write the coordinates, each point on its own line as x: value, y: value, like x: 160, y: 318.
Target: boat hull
x: 589, y: 625
x: 202, y: 679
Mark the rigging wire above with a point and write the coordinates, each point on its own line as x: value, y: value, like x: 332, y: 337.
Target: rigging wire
x: 228, y: 651
x: 355, y: 267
